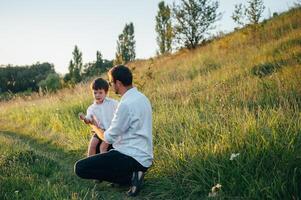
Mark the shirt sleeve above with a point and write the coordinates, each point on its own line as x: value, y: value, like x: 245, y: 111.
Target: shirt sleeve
x: 90, y: 113
x: 115, y: 105
x: 120, y: 124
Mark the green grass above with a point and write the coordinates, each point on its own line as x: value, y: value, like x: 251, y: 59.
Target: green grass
x: 35, y: 169
x: 238, y: 94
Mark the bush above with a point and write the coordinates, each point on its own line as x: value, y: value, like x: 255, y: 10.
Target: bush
x: 265, y: 69
x: 51, y: 83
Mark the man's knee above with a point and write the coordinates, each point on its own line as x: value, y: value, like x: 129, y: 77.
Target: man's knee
x: 79, y: 168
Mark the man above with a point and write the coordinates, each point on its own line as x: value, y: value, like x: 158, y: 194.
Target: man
x: 130, y: 133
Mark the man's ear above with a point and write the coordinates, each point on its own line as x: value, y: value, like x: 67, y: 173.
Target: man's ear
x: 118, y: 83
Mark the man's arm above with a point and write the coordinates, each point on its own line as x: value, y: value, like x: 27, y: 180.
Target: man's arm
x: 119, y: 125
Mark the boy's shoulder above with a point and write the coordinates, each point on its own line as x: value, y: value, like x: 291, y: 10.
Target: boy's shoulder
x: 110, y: 100
x: 92, y: 106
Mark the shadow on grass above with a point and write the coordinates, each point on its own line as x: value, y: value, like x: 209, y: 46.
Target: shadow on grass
x: 41, y: 170
x: 45, y: 146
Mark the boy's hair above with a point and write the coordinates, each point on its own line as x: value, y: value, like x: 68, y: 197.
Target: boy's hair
x: 99, y: 84
x: 122, y: 74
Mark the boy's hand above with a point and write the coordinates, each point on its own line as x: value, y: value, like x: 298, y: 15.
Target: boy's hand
x: 83, y: 117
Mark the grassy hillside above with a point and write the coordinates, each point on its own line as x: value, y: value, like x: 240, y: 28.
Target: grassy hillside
x: 238, y: 94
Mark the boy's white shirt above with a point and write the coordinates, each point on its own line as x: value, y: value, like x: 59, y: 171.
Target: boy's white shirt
x: 103, y: 112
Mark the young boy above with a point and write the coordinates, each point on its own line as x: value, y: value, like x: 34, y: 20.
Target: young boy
x: 100, y: 114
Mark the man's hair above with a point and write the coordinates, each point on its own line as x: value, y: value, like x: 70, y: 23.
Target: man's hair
x: 99, y: 84
x: 122, y: 74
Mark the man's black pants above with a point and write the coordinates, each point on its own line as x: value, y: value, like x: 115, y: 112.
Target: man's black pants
x: 112, y: 166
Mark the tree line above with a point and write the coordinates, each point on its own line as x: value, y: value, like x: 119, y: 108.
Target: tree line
x: 187, y: 23
x: 178, y: 25
x: 24, y: 78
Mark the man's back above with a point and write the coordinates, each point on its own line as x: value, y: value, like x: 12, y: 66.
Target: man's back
x: 132, y: 123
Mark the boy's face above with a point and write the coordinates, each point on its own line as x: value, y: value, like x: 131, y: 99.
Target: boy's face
x: 99, y: 95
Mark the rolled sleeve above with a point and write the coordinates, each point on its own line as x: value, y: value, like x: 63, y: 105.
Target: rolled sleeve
x: 120, y: 124
x: 108, y: 139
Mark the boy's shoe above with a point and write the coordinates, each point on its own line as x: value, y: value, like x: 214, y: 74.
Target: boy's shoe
x: 137, y: 181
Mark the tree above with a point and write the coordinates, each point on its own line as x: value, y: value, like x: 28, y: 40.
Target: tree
x: 118, y: 55
x: 75, y: 67
x: 297, y: 4
x: 98, y: 67
x: 126, y: 45
x: 164, y: 28
x: 78, y: 65
x: 99, y: 63
x: 255, y: 10
x: 248, y: 15
x: 98, y: 57
x: 239, y: 14
x: 193, y: 19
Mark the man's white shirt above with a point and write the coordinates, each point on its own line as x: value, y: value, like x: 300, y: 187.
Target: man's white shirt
x: 131, y: 128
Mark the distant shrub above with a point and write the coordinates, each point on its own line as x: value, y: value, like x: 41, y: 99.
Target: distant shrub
x: 265, y: 69
x: 51, y: 83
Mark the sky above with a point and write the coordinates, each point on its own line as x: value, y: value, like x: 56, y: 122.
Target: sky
x: 47, y: 30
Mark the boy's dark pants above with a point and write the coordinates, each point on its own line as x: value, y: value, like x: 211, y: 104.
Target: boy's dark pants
x: 99, y: 143
x: 112, y: 166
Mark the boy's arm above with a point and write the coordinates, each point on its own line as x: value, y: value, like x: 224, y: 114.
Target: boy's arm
x: 94, y: 121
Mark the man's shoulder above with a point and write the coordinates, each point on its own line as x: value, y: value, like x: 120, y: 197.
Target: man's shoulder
x: 137, y: 99
x: 142, y: 97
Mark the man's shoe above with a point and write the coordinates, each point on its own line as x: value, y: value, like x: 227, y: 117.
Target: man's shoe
x: 97, y: 181
x: 114, y: 185
x: 137, y: 181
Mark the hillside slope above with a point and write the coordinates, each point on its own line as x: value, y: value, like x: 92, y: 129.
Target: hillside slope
x: 238, y: 94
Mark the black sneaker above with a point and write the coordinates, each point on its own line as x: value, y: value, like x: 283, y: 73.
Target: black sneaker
x: 114, y: 185
x: 137, y: 181
x: 97, y: 181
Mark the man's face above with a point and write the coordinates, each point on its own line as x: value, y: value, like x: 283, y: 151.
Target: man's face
x: 113, y: 85
x: 99, y: 95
